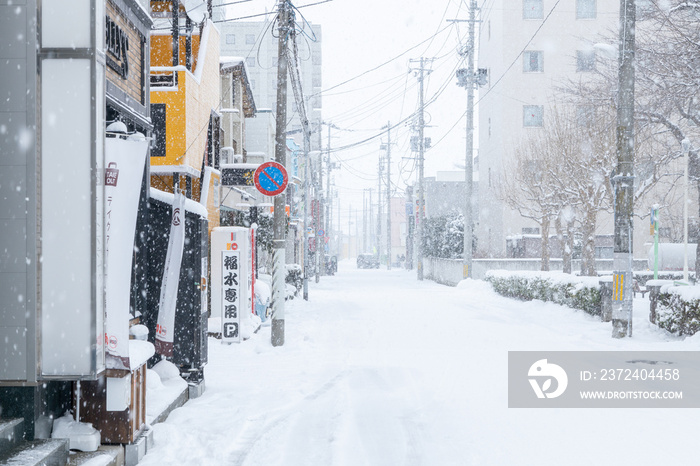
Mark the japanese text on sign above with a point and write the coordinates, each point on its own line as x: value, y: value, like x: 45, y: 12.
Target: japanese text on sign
x: 231, y: 317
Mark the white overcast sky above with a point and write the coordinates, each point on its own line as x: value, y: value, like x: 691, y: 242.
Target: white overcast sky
x: 359, y: 35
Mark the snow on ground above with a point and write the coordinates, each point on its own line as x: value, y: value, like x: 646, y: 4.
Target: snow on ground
x: 380, y: 369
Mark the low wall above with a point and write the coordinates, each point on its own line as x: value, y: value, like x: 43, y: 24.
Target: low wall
x: 450, y: 271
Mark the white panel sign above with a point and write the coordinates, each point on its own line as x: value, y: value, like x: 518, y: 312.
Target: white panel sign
x: 231, y: 246
x: 231, y: 296
x: 67, y: 23
x: 68, y: 316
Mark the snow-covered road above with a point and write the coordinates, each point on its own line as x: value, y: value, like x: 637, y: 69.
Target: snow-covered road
x: 380, y: 369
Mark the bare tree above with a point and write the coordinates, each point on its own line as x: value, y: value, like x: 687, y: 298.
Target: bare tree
x: 527, y: 188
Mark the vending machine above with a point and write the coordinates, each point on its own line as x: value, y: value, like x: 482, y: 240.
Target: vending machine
x: 232, y: 279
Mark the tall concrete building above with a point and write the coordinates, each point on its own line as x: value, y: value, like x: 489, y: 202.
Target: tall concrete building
x: 529, y: 47
x: 257, y: 44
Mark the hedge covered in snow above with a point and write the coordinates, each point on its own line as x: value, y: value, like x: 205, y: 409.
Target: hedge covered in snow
x: 569, y: 290
x: 678, y: 309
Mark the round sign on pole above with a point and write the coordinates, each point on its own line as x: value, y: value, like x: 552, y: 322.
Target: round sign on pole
x: 271, y: 178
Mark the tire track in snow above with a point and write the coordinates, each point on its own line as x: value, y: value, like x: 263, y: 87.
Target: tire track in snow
x: 258, y: 428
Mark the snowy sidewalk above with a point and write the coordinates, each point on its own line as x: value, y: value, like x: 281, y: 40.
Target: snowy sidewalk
x: 380, y: 369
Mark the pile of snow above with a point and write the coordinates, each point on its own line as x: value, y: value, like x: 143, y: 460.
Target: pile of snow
x: 263, y: 292
x: 82, y: 435
x: 250, y: 324
x: 163, y: 386
x: 139, y: 332
x: 140, y: 352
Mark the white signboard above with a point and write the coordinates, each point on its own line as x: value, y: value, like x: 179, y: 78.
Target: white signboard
x: 232, y: 280
x: 231, y: 296
x: 125, y: 165
x: 165, y: 327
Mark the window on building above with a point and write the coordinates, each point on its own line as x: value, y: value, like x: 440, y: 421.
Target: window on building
x: 533, y: 9
x: 252, y: 83
x: 585, y: 9
x: 230, y: 39
x: 585, y: 60
x: 489, y: 127
x: 533, y: 61
x: 250, y: 39
x: 316, y: 81
x: 316, y: 58
x: 533, y: 115
x: 273, y: 62
x: 158, y: 142
x: 584, y: 115
x: 250, y: 62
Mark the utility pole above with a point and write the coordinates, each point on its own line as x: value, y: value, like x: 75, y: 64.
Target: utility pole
x: 319, y: 197
x: 329, y: 200
x: 279, y: 220
x: 379, y: 209
x: 623, y: 180
x: 421, y: 159
x: 388, y: 196
x: 470, y: 84
x: 370, y: 216
x: 410, y: 219
x: 364, y: 220
x: 307, y: 206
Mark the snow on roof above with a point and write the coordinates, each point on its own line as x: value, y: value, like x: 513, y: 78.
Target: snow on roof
x: 169, y: 198
x: 227, y: 62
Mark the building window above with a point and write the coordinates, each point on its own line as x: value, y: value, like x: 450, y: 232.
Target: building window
x: 250, y: 62
x: 585, y: 9
x: 533, y: 9
x: 585, y: 60
x: 585, y: 115
x: 533, y: 115
x: 533, y: 62
x: 316, y: 58
x: 250, y: 39
x: 230, y: 39
x: 489, y: 127
x: 273, y: 61
x: 252, y: 83
x: 159, y: 140
x: 316, y: 81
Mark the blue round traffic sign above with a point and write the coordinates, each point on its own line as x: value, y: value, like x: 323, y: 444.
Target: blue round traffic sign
x: 271, y: 178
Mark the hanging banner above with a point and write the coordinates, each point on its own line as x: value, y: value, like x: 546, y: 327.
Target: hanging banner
x: 165, y: 327
x: 125, y: 161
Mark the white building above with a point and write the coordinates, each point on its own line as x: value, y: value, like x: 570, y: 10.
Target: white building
x: 528, y: 47
x: 255, y: 42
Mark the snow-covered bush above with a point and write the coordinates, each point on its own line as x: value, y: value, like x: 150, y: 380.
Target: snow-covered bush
x: 444, y: 236
x: 569, y: 290
x: 678, y: 309
x: 294, y: 276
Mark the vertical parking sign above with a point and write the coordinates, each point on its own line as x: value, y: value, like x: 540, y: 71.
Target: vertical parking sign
x: 231, y: 296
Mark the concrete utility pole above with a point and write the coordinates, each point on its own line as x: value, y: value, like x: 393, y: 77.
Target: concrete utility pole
x: 319, y: 197
x: 379, y: 208
x: 307, y: 206
x: 421, y: 159
x: 329, y: 200
x: 364, y: 221
x: 388, y: 196
x: 279, y: 219
x: 470, y: 84
x: 623, y: 180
